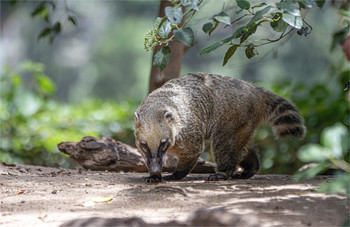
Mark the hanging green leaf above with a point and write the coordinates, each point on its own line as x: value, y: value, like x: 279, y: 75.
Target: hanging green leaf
x: 259, y: 5
x: 159, y: 21
x: 258, y: 15
x: 290, y: 7
x: 279, y: 25
x: 45, y: 84
x: 207, y: 27
x: 306, y: 3
x: 162, y: 58
x: 56, y: 28
x: 164, y: 29
x: 44, y: 33
x: 238, y: 33
x: 216, y: 45
x: 190, y: 4
x: 339, y: 36
x: 223, y: 18
x: 72, y: 19
x: 42, y: 11
x: 185, y: 36
x: 211, y: 48
x: 174, y: 14
x: 320, y: 3
x: 243, y: 4
x: 294, y: 21
x: 250, y: 51
x: 249, y: 32
x: 38, y: 10
x: 229, y: 53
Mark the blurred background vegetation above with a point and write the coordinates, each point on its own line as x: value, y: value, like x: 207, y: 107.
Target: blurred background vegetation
x: 92, y: 77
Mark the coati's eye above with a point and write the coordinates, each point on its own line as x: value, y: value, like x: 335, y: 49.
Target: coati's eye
x: 164, y: 144
x: 144, y: 146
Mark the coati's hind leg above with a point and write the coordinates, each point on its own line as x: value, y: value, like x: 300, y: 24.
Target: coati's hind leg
x: 250, y: 164
x: 227, y: 157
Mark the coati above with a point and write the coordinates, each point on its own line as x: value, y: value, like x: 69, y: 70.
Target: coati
x: 185, y: 112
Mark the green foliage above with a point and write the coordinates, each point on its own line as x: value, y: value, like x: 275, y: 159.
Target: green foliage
x: 229, y: 53
x: 282, y: 17
x: 339, y: 36
x: 294, y: 21
x: 326, y: 146
x: 44, y: 11
x: 332, y: 152
x: 216, y: 45
x: 171, y: 22
x: 32, y: 123
x: 185, y: 36
x: 174, y: 14
x: 243, y: 4
x: 162, y: 57
x: 222, y: 18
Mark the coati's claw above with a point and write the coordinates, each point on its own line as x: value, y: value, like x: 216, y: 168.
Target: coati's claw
x: 154, y: 178
x: 216, y: 177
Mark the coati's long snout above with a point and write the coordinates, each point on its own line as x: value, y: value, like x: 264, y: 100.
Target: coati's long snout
x: 154, y: 165
x: 154, y: 162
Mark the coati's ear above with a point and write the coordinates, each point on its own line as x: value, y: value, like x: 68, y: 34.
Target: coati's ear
x: 169, y: 116
x: 137, y: 117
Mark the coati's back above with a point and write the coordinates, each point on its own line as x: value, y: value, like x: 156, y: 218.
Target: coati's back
x: 215, y: 100
x: 240, y: 102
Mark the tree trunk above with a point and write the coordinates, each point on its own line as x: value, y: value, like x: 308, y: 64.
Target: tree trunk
x: 173, y: 69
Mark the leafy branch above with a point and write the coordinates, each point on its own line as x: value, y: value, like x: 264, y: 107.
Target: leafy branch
x: 169, y: 28
x: 282, y: 17
x: 44, y: 11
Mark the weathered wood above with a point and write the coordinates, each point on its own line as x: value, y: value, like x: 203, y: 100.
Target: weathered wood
x: 108, y: 154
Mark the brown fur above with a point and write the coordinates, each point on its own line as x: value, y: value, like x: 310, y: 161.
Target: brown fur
x: 186, y: 111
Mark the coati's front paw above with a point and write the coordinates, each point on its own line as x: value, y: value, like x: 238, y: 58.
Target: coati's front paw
x: 154, y: 178
x: 216, y: 177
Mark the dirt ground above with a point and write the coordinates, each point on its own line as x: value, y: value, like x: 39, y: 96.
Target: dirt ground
x: 42, y: 196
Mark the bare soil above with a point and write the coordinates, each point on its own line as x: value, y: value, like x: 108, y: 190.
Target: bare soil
x: 42, y: 196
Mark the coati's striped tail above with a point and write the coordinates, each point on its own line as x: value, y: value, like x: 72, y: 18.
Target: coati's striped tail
x: 283, y: 117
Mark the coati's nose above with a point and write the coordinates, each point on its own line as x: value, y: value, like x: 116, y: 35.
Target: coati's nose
x: 154, y: 169
x: 154, y: 166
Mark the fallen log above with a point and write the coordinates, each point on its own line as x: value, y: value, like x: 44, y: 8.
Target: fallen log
x: 108, y: 154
